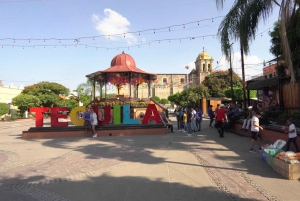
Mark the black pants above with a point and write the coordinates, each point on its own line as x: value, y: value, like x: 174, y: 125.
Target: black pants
x: 211, y: 120
x: 294, y: 141
x: 178, y: 122
x: 170, y: 126
x: 220, y: 127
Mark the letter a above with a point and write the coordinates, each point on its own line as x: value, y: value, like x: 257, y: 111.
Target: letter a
x: 151, y: 109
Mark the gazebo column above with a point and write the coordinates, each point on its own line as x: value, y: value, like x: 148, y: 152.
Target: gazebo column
x: 94, y: 89
x: 149, y: 92
x: 105, y: 85
x: 130, y: 85
x: 137, y: 90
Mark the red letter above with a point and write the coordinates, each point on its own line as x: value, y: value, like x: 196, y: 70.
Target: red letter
x: 107, y: 115
x: 148, y: 117
x: 55, y: 116
x: 39, y: 115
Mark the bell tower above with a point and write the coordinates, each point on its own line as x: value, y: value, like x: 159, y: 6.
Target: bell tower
x: 204, y: 65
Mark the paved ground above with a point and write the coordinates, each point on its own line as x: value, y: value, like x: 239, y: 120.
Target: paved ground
x: 161, y: 168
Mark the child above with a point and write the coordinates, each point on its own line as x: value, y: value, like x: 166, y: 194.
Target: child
x: 184, y: 122
x: 291, y: 130
x: 255, y: 127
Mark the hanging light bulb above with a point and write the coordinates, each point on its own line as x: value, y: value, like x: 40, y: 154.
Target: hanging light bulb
x: 14, y: 41
x: 261, y: 35
x: 124, y: 35
x: 169, y: 29
x: 198, y: 23
x: 212, y: 20
x: 183, y: 25
x: 29, y: 40
x: 154, y: 30
x: 44, y: 40
x: 139, y: 33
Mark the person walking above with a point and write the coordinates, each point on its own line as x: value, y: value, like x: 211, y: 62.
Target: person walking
x: 210, y: 114
x: 291, y: 130
x: 87, y: 121
x: 94, y: 122
x: 255, y: 128
x: 221, y: 117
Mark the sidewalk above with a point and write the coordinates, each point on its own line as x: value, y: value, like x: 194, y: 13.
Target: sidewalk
x: 164, y: 167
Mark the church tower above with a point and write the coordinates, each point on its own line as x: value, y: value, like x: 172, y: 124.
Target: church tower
x: 204, y: 65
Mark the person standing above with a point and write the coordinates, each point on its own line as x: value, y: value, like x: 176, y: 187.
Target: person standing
x: 255, y: 127
x: 177, y: 117
x: 94, y: 122
x: 291, y: 130
x: 180, y: 118
x: 221, y: 117
x: 194, y: 117
x: 216, y: 110
x: 189, y: 122
x: 87, y: 121
x: 210, y: 114
x: 199, y: 119
x: 184, y: 121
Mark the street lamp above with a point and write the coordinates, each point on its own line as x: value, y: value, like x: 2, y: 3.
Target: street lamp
x: 187, y: 75
x: 231, y: 74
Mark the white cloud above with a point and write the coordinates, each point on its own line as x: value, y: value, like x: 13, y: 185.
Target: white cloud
x: 113, y: 23
x: 256, y: 67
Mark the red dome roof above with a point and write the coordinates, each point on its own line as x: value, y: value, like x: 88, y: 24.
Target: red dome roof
x: 123, y: 60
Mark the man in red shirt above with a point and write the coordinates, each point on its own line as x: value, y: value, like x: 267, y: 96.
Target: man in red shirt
x: 221, y: 117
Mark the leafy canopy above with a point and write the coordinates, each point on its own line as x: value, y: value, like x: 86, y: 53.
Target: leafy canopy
x: 48, y: 93
x: 25, y: 101
x: 4, y: 108
x: 218, y: 81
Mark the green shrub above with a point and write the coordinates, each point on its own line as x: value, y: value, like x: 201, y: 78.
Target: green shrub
x: 4, y: 108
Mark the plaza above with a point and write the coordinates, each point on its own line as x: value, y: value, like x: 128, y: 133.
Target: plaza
x: 151, y: 167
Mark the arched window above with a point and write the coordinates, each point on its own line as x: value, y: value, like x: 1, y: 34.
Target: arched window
x: 209, y: 67
x: 165, y: 80
x: 203, y: 68
x: 182, y: 80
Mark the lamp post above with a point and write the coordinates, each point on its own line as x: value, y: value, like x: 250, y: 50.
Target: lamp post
x: 187, y: 75
x: 231, y: 84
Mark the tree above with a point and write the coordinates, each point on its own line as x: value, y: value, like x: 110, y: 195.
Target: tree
x: 241, y: 24
x: 48, y: 93
x: 4, y: 108
x: 164, y: 101
x: 190, y: 96
x: 175, y: 98
x: 155, y: 98
x: 25, y: 101
x: 218, y: 81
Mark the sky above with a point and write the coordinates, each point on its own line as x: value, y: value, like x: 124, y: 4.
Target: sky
x: 64, y: 40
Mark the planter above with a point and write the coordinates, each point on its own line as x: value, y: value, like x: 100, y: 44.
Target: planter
x: 289, y: 171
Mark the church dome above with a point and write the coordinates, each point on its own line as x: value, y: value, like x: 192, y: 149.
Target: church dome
x: 123, y: 60
x: 204, y: 55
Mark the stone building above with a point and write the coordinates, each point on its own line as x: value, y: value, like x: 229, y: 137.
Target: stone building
x: 168, y: 84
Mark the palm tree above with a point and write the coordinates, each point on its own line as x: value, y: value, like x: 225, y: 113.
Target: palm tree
x: 242, y: 21
x: 88, y: 88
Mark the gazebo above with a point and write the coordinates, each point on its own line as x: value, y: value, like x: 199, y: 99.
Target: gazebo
x: 122, y: 71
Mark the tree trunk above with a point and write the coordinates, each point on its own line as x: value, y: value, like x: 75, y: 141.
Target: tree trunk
x: 284, y: 41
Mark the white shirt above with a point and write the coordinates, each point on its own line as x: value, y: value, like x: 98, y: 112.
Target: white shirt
x: 254, y: 128
x: 94, y: 119
x: 294, y: 134
x: 194, y: 114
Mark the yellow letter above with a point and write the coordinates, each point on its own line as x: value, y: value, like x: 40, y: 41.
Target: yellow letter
x: 75, y: 117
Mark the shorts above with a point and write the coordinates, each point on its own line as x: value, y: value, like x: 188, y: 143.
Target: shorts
x: 87, y: 123
x: 255, y: 135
